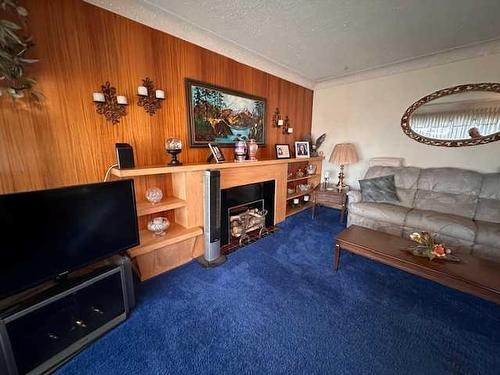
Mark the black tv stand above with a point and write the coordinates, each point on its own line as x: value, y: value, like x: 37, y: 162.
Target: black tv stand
x: 42, y: 328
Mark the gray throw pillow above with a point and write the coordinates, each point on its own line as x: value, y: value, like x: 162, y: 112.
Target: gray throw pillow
x: 379, y: 189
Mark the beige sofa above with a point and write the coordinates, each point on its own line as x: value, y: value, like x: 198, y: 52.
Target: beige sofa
x: 462, y: 207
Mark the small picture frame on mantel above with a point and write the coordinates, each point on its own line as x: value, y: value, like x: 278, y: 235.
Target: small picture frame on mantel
x: 282, y: 151
x: 302, y: 149
x: 217, y: 154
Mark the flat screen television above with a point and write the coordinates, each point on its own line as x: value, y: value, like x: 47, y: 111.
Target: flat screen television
x: 47, y: 233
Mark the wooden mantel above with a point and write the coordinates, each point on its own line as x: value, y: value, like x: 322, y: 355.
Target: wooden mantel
x: 183, y: 204
x: 162, y: 169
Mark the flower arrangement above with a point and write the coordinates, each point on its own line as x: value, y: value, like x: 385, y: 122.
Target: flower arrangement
x: 427, y: 246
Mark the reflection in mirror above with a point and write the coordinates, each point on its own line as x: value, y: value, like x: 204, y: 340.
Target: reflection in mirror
x: 462, y: 116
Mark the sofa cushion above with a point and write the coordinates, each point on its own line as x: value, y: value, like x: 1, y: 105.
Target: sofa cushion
x: 448, y: 190
x: 379, y: 189
x: 385, y: 212
x: 488, y: 208
x: 453, y: 204
x: 382, y: 226
x: 405, y: 179
x: 440, y: 223
x: 488, y: 233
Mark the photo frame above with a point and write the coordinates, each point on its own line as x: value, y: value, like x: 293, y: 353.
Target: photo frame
x: 217, y: 154
x: 223, y: 116
x: 302, y: 149
x: 282, y: 151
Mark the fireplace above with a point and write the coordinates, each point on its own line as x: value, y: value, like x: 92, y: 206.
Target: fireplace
x: 245, y: 210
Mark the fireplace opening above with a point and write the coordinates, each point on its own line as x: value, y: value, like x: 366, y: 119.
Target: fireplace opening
x: 245, y: 219
x: 247, y: 212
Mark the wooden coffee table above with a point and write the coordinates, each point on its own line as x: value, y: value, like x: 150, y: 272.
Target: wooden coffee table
x: 471, y: 275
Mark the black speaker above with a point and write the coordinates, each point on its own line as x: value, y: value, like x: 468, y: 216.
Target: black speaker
x: 124, y: 155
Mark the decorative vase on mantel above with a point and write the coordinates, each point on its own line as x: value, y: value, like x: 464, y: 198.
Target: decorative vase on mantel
x: 240, y: 150
x: 252, y: 149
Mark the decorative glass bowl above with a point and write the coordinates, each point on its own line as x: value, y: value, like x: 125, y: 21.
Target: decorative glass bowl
x: 154, y: 195
x: 173, y: 144
x: 159, y: 225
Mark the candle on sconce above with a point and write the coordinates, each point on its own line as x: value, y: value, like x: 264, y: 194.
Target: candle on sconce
x: 289, y: 130
x: 98, y: 97
x: 122, y: 100
x: 160, y: 94
x: 280, y: 122
x: 142, y: 91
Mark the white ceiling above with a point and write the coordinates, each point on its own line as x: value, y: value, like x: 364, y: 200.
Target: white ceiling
x: 313, y: 41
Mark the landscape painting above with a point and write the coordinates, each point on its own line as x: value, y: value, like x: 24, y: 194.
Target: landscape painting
x: 223, y: 116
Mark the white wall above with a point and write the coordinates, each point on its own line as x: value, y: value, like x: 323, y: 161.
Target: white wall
x: 368, y: 113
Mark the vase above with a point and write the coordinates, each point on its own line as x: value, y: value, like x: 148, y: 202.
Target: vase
x: 252, y: 149
x: 240, y: 150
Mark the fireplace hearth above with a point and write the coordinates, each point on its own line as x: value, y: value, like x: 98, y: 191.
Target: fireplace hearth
x: 247, y: 214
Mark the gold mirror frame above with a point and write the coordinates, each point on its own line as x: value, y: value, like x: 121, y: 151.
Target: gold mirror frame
x: 405, y: 120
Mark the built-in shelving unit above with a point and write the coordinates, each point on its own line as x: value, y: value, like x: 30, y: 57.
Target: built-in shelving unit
x: 292, y: 182
x: 182, y: 204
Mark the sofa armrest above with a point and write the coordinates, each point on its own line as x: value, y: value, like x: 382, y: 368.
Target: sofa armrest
x: 354, y: 196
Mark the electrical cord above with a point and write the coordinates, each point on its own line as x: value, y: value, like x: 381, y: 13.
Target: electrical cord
x: 108, y: 171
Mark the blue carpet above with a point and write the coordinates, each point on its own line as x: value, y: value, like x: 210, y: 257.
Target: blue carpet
x: 277, y: 307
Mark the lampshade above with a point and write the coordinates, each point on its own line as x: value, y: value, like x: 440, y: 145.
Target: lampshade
x: 343, y: 154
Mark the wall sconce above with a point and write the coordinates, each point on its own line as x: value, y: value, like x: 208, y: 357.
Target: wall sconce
x: 108, y: 104
x: 287, y: 129
x: 149, y: 98
x: 278, y: 122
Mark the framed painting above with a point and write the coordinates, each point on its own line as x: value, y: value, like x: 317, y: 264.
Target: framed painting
x: 223, y: 116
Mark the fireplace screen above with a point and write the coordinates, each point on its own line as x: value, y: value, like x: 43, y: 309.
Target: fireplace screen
x: 245, y: 219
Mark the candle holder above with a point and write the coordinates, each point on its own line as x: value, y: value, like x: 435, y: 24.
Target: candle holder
x: 149, y: 98
x: 107, y: 103
x: 173, y: 146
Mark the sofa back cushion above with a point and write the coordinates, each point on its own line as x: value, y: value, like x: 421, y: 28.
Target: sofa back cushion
x: 405, y: 179
x: 488, y: 208
x: 448, y: 190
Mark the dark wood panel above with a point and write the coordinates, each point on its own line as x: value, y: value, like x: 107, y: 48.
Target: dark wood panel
x: 64, y: 141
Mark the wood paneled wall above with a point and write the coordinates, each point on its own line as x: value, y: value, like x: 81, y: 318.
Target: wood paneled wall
x: 64, y: 141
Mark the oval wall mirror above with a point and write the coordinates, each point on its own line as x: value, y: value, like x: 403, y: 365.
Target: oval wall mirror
x: 464, y: 115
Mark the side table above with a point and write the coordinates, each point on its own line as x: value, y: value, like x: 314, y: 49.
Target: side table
x: 329, y: 198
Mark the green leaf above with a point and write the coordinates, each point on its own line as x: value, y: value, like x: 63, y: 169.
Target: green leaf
x: 28, y: 61
x: 10, y: 25
x: 21, y: 11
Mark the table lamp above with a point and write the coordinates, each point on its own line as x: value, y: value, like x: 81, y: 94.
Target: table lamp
x: 343, y: 154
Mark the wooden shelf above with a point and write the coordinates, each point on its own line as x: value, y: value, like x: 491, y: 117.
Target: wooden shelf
x: 303, y: 178
x: 296, y: 210
x: 296, y: 195
x: 176, y: 233
x: 162, y: 169
x: 169, y: 203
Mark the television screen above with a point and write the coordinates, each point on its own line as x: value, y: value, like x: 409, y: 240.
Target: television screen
x: 46, y: 233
